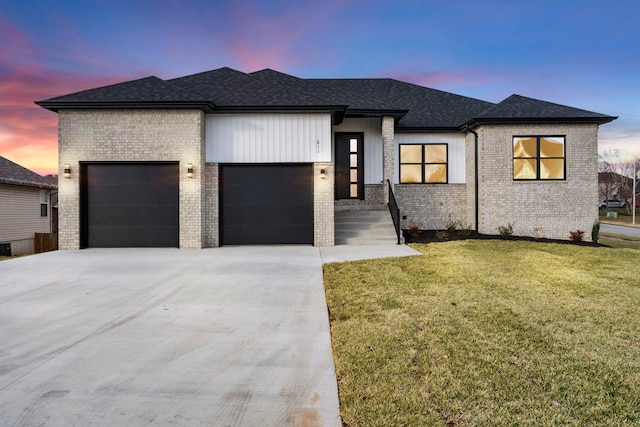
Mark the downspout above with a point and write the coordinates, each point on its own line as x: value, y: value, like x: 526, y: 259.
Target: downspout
x: 475, y: 166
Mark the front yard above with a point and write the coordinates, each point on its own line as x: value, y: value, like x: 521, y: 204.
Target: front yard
x: 488, y: 332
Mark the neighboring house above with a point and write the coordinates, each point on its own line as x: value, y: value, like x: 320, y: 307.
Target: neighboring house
x: 224, y: 157
x: 25, y: 207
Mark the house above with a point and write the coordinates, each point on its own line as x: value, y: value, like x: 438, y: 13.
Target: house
x: 227, y: 158
x: 25, y: 208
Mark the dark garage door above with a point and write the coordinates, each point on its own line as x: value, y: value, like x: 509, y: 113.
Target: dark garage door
x: 129, y: 205
x: 266, y: 204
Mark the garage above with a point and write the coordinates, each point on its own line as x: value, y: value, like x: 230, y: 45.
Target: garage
x: 129, y: 205
x: 266, y: 204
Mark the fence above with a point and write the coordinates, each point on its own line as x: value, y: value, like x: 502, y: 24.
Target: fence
x: 45, y: 242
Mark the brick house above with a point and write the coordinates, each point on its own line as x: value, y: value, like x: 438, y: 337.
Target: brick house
x: 225, y: 157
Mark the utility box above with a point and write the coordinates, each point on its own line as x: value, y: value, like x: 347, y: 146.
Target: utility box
x: 612, y: 214
x: 5, y: 249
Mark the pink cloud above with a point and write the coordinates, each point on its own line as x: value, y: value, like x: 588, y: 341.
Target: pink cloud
x: 28, y: 133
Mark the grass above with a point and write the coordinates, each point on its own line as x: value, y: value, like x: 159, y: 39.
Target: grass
x: 619, y: 241
x: 622, y: 219
x: 485, y: 332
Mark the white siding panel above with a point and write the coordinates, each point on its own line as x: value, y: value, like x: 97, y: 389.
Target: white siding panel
x: 268, y: 138
x: 456, y: 142
x: 20, y: 213
x: 372, y: 130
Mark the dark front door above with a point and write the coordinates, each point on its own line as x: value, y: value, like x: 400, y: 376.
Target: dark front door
x: 129, y: 205
x: 266, y: 204
x: 349, y: 166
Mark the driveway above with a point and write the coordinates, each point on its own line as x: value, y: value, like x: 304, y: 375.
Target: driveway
x: 234, y: 336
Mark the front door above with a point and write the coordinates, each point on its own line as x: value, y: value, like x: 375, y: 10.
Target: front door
x: 349, y: 166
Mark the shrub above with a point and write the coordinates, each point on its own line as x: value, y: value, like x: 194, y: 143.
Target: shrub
x: 595, y: 232
x: 506, y: 231
x: 452, y: 226
x: 576, y: 236
x: 442, y: 235
x: 466, y: 231
x: 414, y: 230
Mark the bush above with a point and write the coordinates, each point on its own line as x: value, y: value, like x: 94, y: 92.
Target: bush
x: 414, y: 230
x: 506, y: 231
x: 452, y: 226
x: 595, y: 232
x: 442, y: 235
x: 466, y: 231
x: 576, y: 236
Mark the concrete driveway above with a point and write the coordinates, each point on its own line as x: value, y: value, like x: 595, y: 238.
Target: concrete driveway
x: 235, y: 336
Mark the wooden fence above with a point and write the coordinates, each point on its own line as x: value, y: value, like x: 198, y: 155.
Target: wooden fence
x: 45, y: 242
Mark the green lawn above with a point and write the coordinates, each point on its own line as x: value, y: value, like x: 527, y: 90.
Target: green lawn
x: 622, y: 219
x: 481, y: 332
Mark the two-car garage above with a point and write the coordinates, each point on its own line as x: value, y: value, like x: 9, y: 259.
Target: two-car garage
x: 137, y: 204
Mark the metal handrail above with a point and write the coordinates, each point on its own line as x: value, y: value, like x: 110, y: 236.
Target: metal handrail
x: 395, y: 211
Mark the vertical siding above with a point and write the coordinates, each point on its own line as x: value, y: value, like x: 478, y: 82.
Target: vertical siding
x: 268, y: 138
x: 372, y: 145
x: 20, y: 213
x: 456, y: 142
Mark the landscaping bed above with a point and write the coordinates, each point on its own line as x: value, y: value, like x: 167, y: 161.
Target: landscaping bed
x: 432, y: 236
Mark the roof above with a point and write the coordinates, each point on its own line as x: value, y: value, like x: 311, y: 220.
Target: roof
x: 414, y: 107
x: 13, y: 173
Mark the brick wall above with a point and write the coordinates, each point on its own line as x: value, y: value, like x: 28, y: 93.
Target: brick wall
x: 432, y: 206
x: 132, y: 135
x: 211, y: 208
x: 547, y: 209
x: 323, y: 211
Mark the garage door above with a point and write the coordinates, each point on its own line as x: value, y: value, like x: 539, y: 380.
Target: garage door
x: 129, y: 205
x: 266, y: 204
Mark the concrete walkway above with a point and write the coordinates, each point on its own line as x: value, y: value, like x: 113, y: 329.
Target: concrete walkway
x: 234, y: 336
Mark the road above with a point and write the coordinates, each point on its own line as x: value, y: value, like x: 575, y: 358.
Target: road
x: 617, y: 229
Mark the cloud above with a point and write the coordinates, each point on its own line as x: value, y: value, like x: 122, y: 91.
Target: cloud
x: 28, y: 133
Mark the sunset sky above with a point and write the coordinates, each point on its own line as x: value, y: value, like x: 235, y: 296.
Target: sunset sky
x: 585, y: 54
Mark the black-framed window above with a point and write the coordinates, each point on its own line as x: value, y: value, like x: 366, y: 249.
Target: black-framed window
x: 539, y: 158
x: 424, y: 163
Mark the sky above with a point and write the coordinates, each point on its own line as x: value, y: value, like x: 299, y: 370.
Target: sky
x: 581, y: 53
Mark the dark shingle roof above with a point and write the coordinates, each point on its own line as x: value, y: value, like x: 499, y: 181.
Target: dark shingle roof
x: 415, y: 107
x: 522, y: 109
x: 427, y: 107
x: 13, y: 173
x: 149, y: 92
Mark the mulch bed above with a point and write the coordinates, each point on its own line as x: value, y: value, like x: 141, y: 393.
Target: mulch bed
x: 431, y: 236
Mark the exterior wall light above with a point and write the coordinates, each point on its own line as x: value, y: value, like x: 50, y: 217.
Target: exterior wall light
x: 323, y: 173
x: 189, y: 170
x: 67, y: 170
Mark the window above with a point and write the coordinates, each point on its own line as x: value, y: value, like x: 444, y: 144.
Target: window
x: 44, y: 205
x: 538, y: 158
x: 423, y: 163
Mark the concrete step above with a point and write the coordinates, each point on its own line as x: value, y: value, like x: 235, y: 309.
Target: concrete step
x: 360, y: 227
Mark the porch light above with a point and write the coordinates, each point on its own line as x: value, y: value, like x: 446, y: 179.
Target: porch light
x: 67, y: 170
x: 189, y: 170
x: 323, y: 173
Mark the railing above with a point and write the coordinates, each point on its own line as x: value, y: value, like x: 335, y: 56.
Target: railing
x: 395, y: 211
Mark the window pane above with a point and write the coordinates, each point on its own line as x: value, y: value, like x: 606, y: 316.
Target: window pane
x: 354, y: 161
x: 551, y: 147
x: 435, y: 173
x: 411, y: 173
x: 551, y: 168
x: 411, y: 154
x: 524, y: 169
x: 353, y: 190
x: 353, y: 175
x: 353, y: 145
x: 524, y: 147
x: 435, y: 154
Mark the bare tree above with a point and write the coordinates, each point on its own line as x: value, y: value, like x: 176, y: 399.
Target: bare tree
x: 619, y: 168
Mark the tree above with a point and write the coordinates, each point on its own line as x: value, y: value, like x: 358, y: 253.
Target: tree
x: 617, y: 169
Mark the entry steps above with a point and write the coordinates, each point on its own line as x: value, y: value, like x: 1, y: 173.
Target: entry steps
x: 364, y: 227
